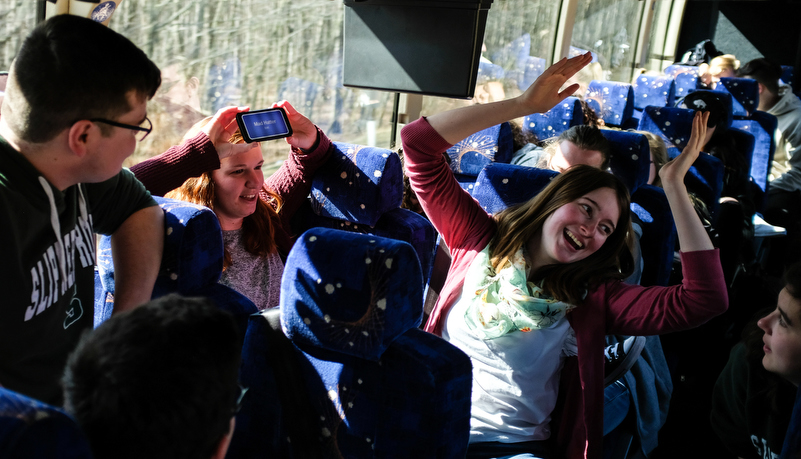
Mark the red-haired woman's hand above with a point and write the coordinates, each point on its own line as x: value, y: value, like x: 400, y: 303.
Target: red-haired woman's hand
x: 304, y: 132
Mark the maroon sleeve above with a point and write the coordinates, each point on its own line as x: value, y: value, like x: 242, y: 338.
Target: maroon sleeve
x: 169, y: 170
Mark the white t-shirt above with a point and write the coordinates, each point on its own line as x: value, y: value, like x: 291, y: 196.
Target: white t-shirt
x: 515, y: 378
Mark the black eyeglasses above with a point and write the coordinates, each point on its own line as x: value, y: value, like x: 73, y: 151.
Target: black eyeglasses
x: 144, y: 129
x: 242, y: 392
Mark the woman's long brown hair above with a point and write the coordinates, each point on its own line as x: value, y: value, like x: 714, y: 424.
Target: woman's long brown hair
x: 258, y: 230
x: 567, y: 282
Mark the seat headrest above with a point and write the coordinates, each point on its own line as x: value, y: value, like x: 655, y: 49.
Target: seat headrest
x: 560, y: 118
x: 685, y: 84
x: 677, y: 69
x: 616, y: 100
x: 358, y: 184
x: 470, y: 155
x: 630, y: 158
x: 744, y: 95
x: 350, y: 293
x: 502, y: 185
x: 672, y: 124
x: 193, y: 250
x: 655, y: 90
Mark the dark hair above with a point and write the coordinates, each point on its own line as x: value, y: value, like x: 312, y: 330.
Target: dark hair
x: 69, y: 69
x: 159, y: 381
x: 588, y: 138
x: 567, y: 282
x: 764, y: 71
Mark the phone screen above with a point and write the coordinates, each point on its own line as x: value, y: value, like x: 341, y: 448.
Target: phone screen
x: 260, y: 125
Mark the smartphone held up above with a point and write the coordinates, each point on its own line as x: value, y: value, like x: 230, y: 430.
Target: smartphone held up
x: 261, y: 125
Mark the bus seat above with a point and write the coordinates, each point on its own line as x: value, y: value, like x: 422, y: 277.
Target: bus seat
x: 489, y: 72
x: 360, y: 190
x: 630, y: 158
x: 787, y: 74
x: 761, y: 125
x: 358, y: 184
x: 678, y: 69
x: 658, y: 239
x: 705, y: 179
x: 378, y: 386
x: 685, y: 84
x: 515, y: 54
x: 502, y: 185
x: 560, y: 118
x: 671, y: 123
x: 526, y: 76
x: 744, y: 95
x: 470, y: 155
x: 653, y: 90
x: 30, y: 429
x: 191, y: 265
x: 616, y: 100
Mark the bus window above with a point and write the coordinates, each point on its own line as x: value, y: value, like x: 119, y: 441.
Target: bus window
x: 18, y: 20
x: 609, y: 29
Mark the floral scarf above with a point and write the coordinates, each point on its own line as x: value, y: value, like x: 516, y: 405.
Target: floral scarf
x: 506, y: 302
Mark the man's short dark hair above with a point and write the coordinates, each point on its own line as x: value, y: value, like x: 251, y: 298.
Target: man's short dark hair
x: 159, y: 381
x: 764, y: 71
x: 69, y: 69
x: 588, y: 138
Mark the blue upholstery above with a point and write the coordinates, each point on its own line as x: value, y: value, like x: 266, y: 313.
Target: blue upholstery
x: 658, y: 239
x: 191, y: 265
x: 744, y: 94
x: 705, y: 179
x: 532, y: 69
x: 761, y: 125
x: 380, y: 386
x: 685, y: 84
x: 30, y: 429
x: 678, y: 69
x: 488, y: 72
x: 656, y: 90
x: 358, y: 184
x: 470, y: 155
x: 671, y: 123
x: 630, y: 159
x: 560, y: 118
x: 400, y: 224
x: 502, y: 185
x: 515, y: 54
x: 724, y: 97
x: 787, y: 74
x: 615, y: 99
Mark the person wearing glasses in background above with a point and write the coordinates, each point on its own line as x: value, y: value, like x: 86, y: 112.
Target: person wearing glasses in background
x: 75, y: 107
x: 159, y: 381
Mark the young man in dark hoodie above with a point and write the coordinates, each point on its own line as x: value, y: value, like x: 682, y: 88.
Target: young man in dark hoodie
x: 74, y: 108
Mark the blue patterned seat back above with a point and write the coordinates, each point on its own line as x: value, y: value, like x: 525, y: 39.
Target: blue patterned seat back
x: 560, y: 118
x: 400, y: 224
x: 30, y: 429
x: 191, y: 264
x: 787, y: 74
x: 470, y: 155
x: 674, y: 126
x: 685, y: 84
x: 358, y: 184
x: 653, y: 90
x: 761, y: 125
x: 351, y: 305
x: 528, y: 74
x: 502, y: 185
x: 744, y: 95
x: 616, y: 101
x: 678, y: 69
x: 630, y: 158
x: 658, y: 239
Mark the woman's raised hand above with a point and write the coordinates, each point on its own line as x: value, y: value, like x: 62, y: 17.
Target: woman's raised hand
x: 304, y: 132
x: 544, y: 94
x: 221, y: 127
x: 674, y: 171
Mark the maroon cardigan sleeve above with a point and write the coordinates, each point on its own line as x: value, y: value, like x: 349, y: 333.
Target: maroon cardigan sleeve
x: 169, y: 170
x: 292, y: 183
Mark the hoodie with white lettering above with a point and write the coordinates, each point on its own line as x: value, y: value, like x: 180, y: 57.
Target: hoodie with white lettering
x: 47, y: 257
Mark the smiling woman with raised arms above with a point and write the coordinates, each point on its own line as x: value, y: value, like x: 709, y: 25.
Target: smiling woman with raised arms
x: 540, y: 282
